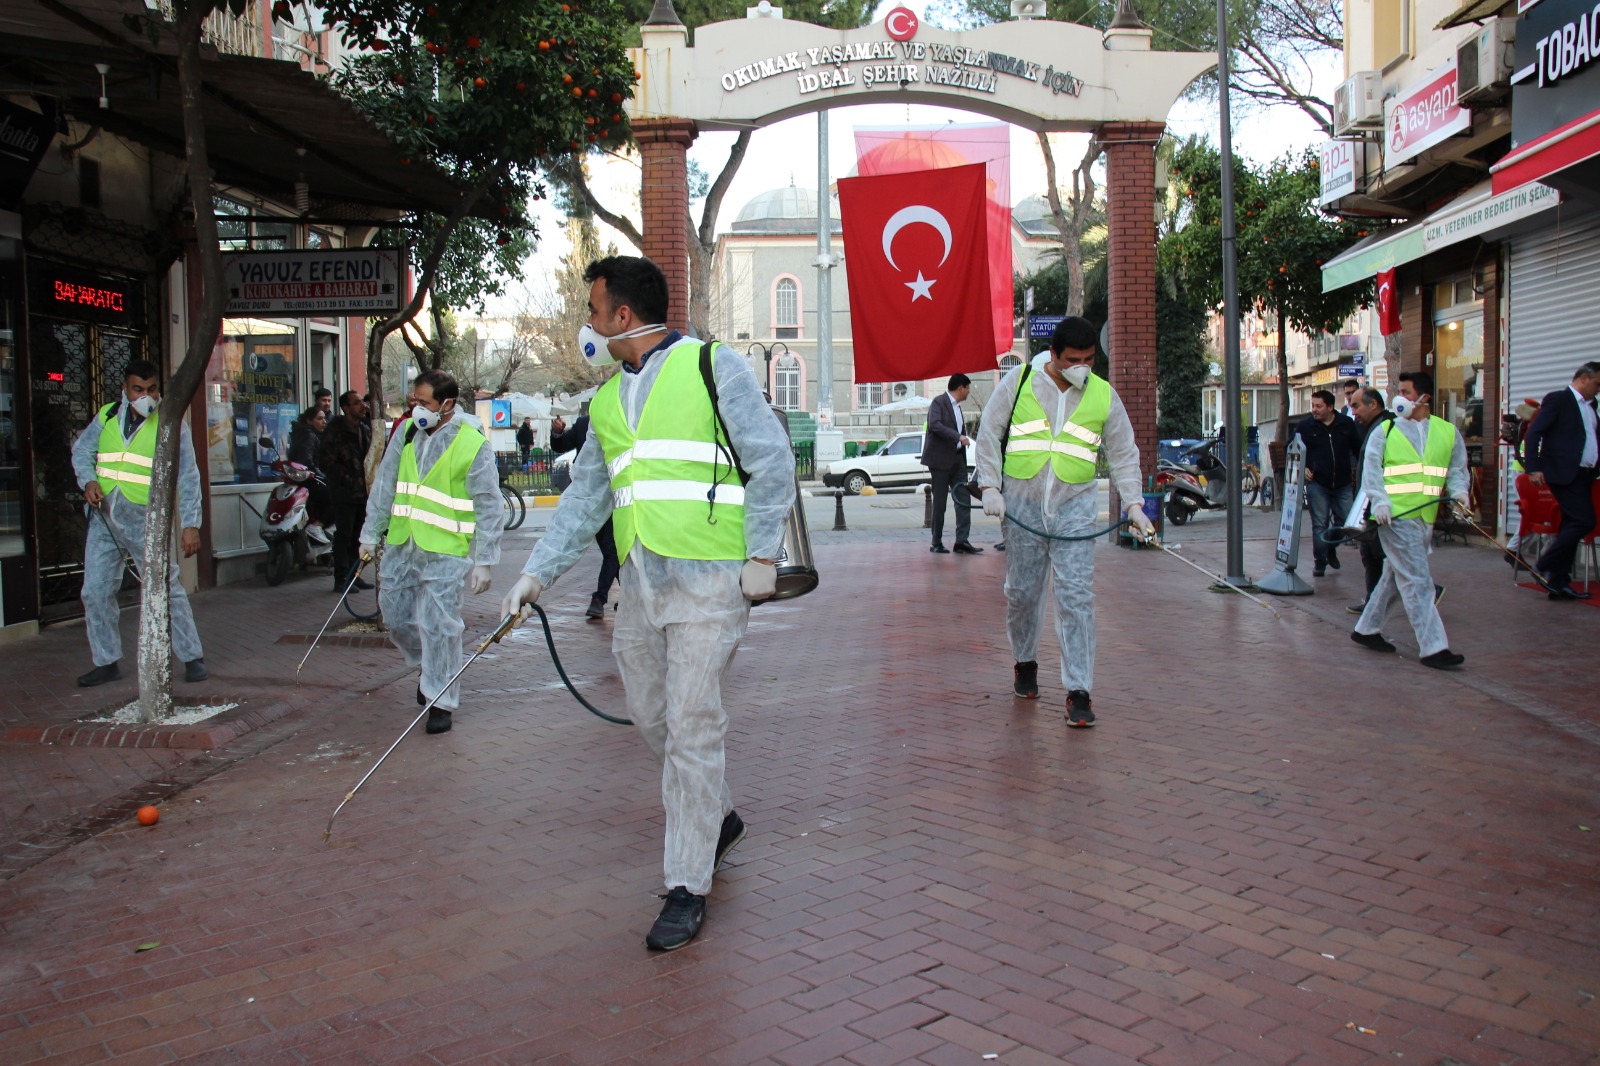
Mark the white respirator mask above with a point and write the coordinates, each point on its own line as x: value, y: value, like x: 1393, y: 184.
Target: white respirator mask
x: 425, y: 419
x: 596, y: 346
x: 1078, y: 376
x: 143, y: 405
x: 1402, y: 407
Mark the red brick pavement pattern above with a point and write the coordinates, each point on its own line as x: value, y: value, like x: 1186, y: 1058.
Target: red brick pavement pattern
x: 1245, y: 862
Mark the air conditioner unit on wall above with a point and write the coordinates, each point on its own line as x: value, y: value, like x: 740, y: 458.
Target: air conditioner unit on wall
x: 1484, y: 61
x: 1358, y: 104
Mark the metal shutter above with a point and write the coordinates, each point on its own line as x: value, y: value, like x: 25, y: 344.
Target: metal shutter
x: 1554, y: 316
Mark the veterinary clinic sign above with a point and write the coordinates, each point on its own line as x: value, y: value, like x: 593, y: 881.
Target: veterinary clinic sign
x: 328, y: 282
x: 1450, y: 227
x: 1423, y: 115
x: 899, y: 60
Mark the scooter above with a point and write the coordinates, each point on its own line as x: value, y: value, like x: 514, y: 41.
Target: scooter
x: 1193, y: 487
x: 286, y: 524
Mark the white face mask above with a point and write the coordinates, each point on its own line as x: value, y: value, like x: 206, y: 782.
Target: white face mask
x: 1402, y: 407
x: 1078, y: 376
x: 144, y: 405
x: 596, y: 346
x: 424, y: 419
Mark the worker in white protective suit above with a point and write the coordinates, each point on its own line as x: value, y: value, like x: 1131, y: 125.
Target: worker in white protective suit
x: 697, y: 549
x: 1041, y: 434
x: 436, y: 502
x: 1407, y: 467
x: 113, y: 459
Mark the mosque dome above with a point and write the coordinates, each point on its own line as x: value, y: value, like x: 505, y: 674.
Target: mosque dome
x: 1032, y: 215
x: 790, y: 209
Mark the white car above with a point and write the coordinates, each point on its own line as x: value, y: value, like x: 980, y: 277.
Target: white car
x: 894, y: 466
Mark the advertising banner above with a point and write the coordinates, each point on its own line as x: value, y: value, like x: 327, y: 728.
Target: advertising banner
x: 328, y: 282
x: 1417, y: 118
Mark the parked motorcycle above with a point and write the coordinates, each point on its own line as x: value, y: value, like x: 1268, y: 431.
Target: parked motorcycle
x: 1190, y: 487
x: 286, y: 524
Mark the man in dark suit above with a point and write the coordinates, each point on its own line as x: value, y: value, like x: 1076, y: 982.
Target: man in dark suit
x: 944, y: 454
x: 1560, y: 451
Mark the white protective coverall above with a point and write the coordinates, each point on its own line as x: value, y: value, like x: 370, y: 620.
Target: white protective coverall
x: 680, y: 620
x: 102, y: 560
x: 1407, y: 542
x: 420, y: 591
x: 1053, y: 506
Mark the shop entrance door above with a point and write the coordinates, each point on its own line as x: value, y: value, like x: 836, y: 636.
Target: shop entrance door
x: 76, y: 368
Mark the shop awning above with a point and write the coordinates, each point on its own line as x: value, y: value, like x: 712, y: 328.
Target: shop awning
x: 1476, y: 11
x: 1479, y: 212
x: 1544, y: 157
x: 258, y: 112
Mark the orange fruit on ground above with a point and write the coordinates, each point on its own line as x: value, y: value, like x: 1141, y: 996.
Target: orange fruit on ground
x: 148, y: 815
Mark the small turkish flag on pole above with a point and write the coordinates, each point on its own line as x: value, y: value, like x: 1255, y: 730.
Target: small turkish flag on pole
x: 1388, y: 303
x: 919, y: 273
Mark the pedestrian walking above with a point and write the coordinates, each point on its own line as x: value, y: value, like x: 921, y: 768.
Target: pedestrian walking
x: 113, y: 458
x: 663, y: 460
x: 1332, y: 442
x: 1560, y: 452
x: 944, y: 453
x: 344, y: 464
x: 1039, y: 442
x: 436, y: 503
x: 527, y: 437
x: 1409, y: 465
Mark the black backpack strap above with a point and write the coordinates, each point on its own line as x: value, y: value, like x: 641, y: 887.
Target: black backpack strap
x: 711, y: 390
x: 1005, y: 434
x: 411, y: 431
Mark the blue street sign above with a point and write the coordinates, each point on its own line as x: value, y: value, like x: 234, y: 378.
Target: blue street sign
x: 1353, y: 370
x: 1043, y: 325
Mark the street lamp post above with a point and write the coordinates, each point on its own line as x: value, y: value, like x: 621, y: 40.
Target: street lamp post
x: 767, y: 351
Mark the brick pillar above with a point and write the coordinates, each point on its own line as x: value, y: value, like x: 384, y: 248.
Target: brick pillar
x: 664, y: 205
x: 1130, y: 149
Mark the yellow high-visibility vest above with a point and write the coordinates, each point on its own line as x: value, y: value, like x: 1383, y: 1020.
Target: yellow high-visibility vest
x: 125, y: 465
x: 437, y: 510
x: 1074, y: 451
x: 674, y: 487
x: 1412, y: 480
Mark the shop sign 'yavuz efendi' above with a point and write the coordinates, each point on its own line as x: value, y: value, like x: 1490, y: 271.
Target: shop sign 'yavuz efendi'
x: 899, y: 61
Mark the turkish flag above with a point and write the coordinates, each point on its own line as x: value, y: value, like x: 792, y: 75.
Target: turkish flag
x: 919, y: 275
x: 1388, y: 303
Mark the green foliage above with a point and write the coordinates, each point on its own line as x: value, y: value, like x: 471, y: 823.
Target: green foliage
x: 1282, y: 240
x: 1180, y: 364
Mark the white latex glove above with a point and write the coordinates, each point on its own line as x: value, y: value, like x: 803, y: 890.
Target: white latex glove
x: 994, y: 504
x: 368, y: 551
x: 1141, y: 521
x: 478, y: 580
x: 1463, y: 505
x: 758, y: 581
x: 1382, y: 514
x: 524, y: 592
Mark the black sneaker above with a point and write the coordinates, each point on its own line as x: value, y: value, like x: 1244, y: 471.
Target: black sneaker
x: 679, y: 922
x: 1079, y: 714
x: 1443, y: 660
x: 438, y: 721
x: 597, y: 607
x: 100, y: 675
x: 1319, y: 570
x: 1333, y: 561
x: 195, y: 670
x: 1355, y: 608
x: 732, y: 833
x: 1374, y: 641
x: 1025, y: 680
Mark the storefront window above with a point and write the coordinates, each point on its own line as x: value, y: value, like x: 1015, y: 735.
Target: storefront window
x: 250, y: 401
x: 1458, y: 362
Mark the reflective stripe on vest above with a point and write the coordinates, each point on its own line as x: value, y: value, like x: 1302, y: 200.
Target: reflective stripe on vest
x: 437, y: 511
x: 125, y: 466
x: 673, y: 487
x: 1074, y: 451
x: 1413, y: 481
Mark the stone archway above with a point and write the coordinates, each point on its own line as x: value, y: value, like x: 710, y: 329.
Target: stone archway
x: 1038, y: 74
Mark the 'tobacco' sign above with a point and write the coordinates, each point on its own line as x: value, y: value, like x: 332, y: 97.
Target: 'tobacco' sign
x: 1423, y: 115
x: 325, y: 282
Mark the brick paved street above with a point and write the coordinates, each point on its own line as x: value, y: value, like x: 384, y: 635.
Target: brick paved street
x: 1276, y: 847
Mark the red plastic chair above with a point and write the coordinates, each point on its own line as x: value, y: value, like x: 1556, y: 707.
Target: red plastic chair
x: 1540, y: 515
x: 1589, y: 540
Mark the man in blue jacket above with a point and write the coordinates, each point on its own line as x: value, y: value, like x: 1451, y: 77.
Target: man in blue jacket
x: 1560, y: 451
x: 1333, y: 447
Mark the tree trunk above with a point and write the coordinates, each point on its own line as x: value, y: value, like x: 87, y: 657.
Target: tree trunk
x: 1070, y: 224
x: 155, y: 635
x: 703, y: 241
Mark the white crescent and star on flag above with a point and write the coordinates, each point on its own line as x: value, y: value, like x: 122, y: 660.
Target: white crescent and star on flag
x: 921, y: 289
